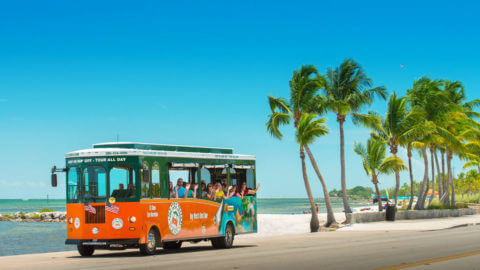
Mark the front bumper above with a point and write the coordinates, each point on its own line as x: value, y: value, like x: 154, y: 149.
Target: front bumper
x: 102, y: 242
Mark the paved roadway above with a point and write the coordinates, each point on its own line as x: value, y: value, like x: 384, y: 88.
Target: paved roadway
x: 457, y: 248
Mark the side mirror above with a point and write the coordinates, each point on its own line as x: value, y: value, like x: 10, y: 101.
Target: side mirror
x: 146, y: 176
x: 54, y: 180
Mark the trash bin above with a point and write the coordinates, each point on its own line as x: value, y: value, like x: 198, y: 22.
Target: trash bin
x: 390, y: 210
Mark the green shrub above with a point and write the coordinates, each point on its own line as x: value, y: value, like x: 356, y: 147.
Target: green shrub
x: 436, y: 204
x: 467, y: 198
x: 44, y: 210
x: 35, y: 216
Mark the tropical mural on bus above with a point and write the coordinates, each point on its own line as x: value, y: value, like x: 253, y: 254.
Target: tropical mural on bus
x: 241, y: 211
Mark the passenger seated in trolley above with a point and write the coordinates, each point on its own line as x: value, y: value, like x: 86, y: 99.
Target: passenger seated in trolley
x: 120, y: 192
x: 233, y: 192
x: 179, y: 189
x: 210, y: 193
x: 246, y: 191
x: 183, y: 191
x: 192, y: 193
x: 130, y: 191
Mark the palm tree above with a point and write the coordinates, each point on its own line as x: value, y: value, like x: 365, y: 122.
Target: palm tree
x: 472, y: 154
x: 347, y: 90
x: 375, y: 162
x: 459, y: 119
x: 428, y: 108
x: 308, y: 130
x: 391, y: 129
x: 303, y: 89
x: 409, y: 147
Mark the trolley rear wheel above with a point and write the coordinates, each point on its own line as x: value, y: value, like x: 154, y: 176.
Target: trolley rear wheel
x: 225, y: 241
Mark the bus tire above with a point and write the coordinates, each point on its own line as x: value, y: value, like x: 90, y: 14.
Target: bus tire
x: 227, y: 240
x: 151, y: 246
x: 172, y: 245
x: 85, y: 251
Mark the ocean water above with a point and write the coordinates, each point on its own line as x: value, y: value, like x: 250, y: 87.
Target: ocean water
x: 31, y: 205
x: 25, y: 238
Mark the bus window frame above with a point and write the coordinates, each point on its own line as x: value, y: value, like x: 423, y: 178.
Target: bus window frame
x: 155, y: 162
x: 238, y: 171
x: 135, y: 175
x: 144, y: 164
x: 192, y: 176
x: 79, y: 184
x: 107, y: 184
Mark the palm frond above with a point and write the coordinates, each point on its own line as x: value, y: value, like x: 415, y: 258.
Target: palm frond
x: 371, y: 120
x: 392, y: 164
x: 278, y: 103
x: 310, y: 128
x: 275, y: 120
x: 471, y: 164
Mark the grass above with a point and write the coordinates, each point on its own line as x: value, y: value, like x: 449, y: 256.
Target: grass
x: 437, y: 205
x: 44, y: 210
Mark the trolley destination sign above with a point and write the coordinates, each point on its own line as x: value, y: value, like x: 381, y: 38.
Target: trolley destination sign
x: 96, y: 160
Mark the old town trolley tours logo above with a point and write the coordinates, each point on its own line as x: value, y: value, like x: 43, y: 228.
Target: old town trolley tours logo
x: 175, y: 218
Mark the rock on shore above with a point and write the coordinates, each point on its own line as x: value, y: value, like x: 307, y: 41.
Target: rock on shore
x: 35, y: 217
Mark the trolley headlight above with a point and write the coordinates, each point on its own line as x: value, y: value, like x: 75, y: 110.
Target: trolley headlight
x: 132, y: 219
x: 70, y: 220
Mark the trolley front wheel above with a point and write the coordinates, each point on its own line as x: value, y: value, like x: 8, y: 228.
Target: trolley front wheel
x: 85, y: 250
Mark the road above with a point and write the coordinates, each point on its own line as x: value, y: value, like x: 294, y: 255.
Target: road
x: 457, y: 248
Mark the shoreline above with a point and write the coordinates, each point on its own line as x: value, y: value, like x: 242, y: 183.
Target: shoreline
x: 40, y: 217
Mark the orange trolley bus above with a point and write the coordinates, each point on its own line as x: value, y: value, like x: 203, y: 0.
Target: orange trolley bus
x: 119, y: 196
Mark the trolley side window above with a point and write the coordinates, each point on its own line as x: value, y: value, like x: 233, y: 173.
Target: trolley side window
x: 156, y: 180
x: 145, y: 180
x: 250, y: 179
x: 181, y: 175
x: 122, y: 183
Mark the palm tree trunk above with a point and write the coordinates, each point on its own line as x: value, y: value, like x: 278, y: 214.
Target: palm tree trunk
x: 377, y: 192
x: 432, y: 161
x: 421, y: 196
x: 314, y: 223
x: 397, y: 186
x: 412, y: 188
x: 330, y: 216
x: 393, y: 151
x: 450, y: 177
x: 446, y: 187
x: 439, y: 182
x: 341, y: 120
x: 478, y: 185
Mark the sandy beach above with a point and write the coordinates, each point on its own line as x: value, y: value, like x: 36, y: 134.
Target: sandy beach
x: 278, y: 225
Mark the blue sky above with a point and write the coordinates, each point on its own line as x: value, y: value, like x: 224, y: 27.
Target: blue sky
x: 179, y: 72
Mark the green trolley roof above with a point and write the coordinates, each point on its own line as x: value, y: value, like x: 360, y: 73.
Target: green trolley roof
x: 157, y: 150
x: 164, y: 147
